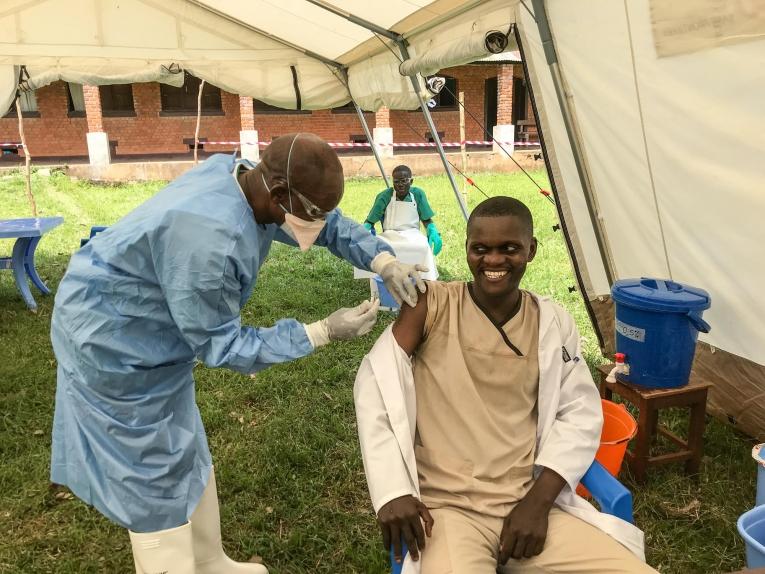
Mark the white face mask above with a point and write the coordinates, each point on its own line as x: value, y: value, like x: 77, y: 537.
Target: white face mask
x: 287, y: 229
x: 302, y: 231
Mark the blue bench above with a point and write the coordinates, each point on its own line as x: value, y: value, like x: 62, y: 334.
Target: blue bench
x: 27, y: 232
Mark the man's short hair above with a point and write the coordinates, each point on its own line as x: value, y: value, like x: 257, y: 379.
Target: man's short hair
x: 400, y: 168
x: 500, y: 206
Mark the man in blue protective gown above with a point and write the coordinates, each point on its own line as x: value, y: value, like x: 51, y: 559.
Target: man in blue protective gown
x: 162, y: 288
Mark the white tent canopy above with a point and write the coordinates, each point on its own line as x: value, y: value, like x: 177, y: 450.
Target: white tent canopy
x: 284, y: 53
x: 665, y: 101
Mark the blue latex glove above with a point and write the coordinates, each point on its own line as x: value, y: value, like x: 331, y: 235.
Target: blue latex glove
x: 434, y: 239
x: 368, y: 226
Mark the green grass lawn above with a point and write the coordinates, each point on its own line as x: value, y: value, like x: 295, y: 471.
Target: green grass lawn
x: 290, y: 476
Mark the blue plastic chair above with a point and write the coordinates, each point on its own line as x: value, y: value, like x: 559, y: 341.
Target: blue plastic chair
x: 610, y: 494
x: 93, y: 231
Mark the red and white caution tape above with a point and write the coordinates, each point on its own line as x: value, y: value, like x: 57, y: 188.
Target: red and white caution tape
x: 367, y: 144
x: 349, y: 144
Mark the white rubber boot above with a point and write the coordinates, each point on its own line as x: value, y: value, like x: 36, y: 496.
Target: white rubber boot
x: 208, y: 546
x: 163, y: 552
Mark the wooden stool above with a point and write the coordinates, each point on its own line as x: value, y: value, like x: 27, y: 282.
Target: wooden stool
x: 649, y: 402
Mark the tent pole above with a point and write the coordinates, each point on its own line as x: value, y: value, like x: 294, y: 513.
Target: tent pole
x: 365, y: 126
x: 415, y: 83
x: 372, y: 27
x: 461, y: 8
x: 375, y: 151
x: 545, y: 35
x: 559, y: 210
x: 434, y: 133
x: 281, y: 41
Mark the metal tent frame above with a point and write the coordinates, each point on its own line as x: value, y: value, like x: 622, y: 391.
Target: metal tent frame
x: 402, y: 46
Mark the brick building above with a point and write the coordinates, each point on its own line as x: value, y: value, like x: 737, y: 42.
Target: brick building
x: 153, y: 120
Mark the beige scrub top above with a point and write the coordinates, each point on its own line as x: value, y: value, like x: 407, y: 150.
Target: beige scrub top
x: 476, y: 383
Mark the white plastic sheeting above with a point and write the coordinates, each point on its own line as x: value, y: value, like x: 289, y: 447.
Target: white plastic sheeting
x: 461, y: 51
x: 376, y: 82
x: 113, y: 73
x: 285, y: 53
x: 674, y: 148
x: 9, y: 78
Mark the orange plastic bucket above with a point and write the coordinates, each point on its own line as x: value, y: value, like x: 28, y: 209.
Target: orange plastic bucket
x: 618, y: 429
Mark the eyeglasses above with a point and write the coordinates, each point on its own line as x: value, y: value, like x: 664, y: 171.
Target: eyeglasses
x: 312, y: 210
x: 404, y: 181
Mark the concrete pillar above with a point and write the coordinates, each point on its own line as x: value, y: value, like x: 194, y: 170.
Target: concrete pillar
x: 383, y: 141
x: 248, y: 136
x: 383, y: 133
x: 98, y: 148
x: 99, y: 152
x: 505, y: 135
x: 248, y: 140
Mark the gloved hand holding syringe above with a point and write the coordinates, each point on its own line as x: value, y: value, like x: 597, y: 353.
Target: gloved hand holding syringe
x: 345, y: 323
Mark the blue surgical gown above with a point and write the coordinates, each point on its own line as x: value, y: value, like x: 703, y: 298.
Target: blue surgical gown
x: 137, y: 306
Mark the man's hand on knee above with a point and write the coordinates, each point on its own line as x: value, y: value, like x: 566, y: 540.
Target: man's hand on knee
x: 525, y: 529
x: 404, y: 517
x: 523, y: 532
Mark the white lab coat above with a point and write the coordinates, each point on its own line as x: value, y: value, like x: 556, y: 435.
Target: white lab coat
x: 568, y: 430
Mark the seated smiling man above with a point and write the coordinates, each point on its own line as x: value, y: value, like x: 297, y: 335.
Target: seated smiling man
x: 477, y: 418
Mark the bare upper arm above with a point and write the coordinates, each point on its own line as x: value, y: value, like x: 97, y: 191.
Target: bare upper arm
x: 410, y: 324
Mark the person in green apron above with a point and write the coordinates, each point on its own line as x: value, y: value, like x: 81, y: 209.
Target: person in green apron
x: 400, y: 210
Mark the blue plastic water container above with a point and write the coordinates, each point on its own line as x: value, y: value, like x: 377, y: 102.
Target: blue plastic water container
x: 386, y: 299
x: 751, y: 527
x: 657, y: 325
